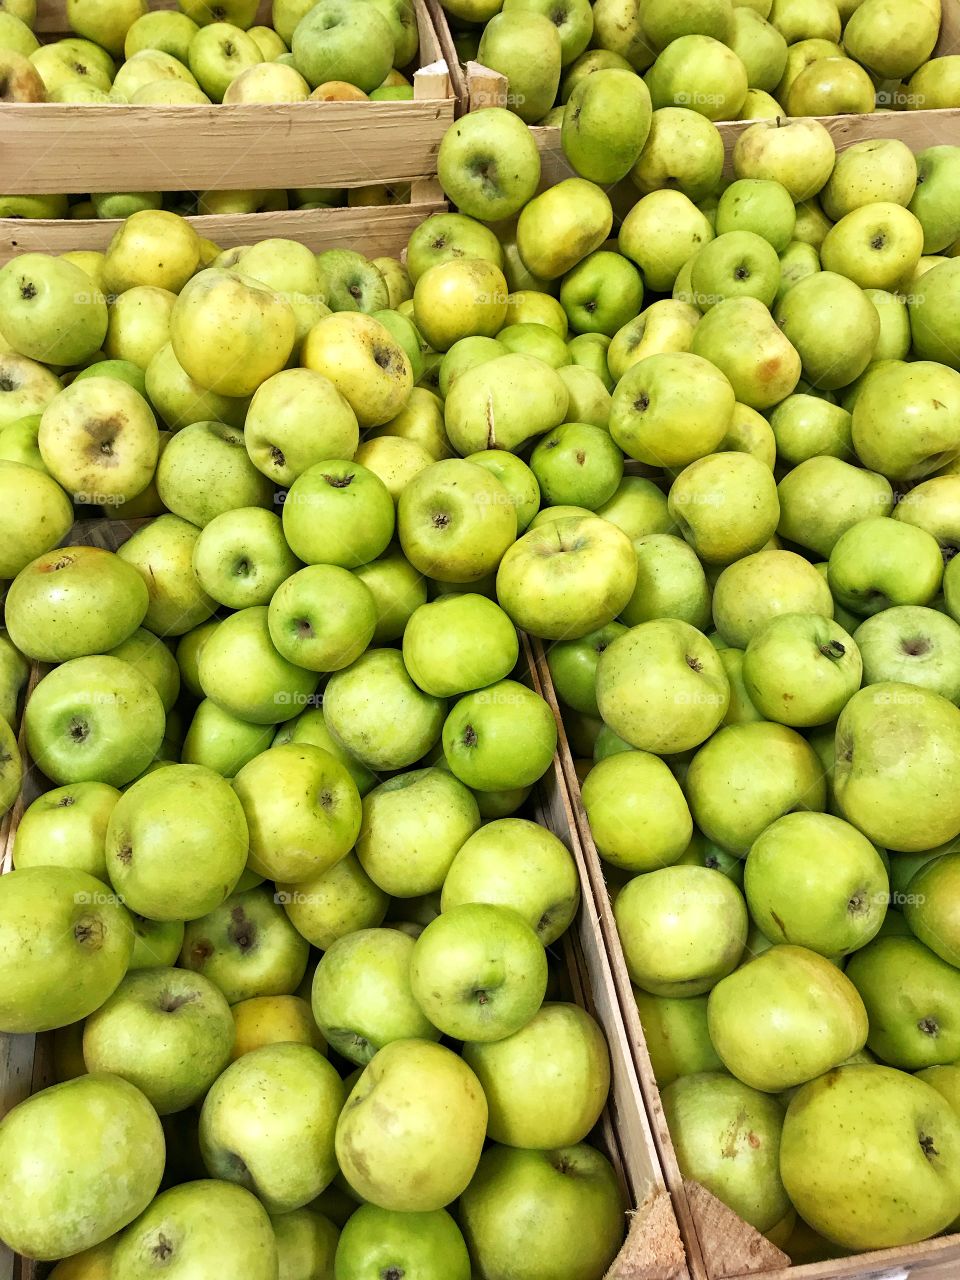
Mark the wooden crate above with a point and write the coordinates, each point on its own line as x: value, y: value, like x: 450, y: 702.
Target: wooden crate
x: 478, y: 87
x: 652, y: 1249
x: 49, y: 148
x: 719, y: 1245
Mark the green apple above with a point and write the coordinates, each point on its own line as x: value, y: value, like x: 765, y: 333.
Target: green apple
x: 322, y: 618
x: 455, y: 521
x: 801, y: 670
x: 807, y: 426
x: 761, y: 206
x: 458, y: 299
x: 749, y: 432
x: 306, y: 1241
x: 664, y: 22
x: 489, y: 167
x: 546, y: 1084
x: 269, y: 1121
x: 150, y: 67
x: 760, y: 47
x: 164, y: 1030
x: 682, y: 929
x: 94, y: 719
x: 18, y: 443
x: 180, y: 400
x: 363, y: 360
x: 378, y: 714
x: 466, y: 354
x: 221, y: 741
x: 67, y: 827
x: 833, y: 326
x: 311, y: 727
x: 339, y: 41
x: 195, y: 452
x: 910, y: 994
x: 675, y: 1031
x: 577, y: 465
x: 602, y: 292
x: 671, y: 408
x: 725, y: 505
x: 930, y: 912
x: 72, y: 602
x: 242, y: 672
x: 784, y: 1018
x: 933, y: 315
x: 52, y: 311
x: 870, y: 172
x: 800, y: 155
x: 911, y: 645
x: 570, y: 1186
x: 334, y: 903
x: 69, y: 942
x: 155, y: 943
x: 737, y: 264
x: 897, y: 428
x: 638, y: 816
x: 934, y: 202
x: 933, y: 506
x: 798, y: 261
x: 218, y: 53
x: 413, y: 826
x: 346, y: 281
x: 751, y: 592
x: 199, y: 1225
x: 169, y: 32
x: 741, y: 339
x: 683, y: 150
x: 412, y: 1129
x: 891, y: 795
x: 302, y: 808
x: 247, y: 947
x: 877, y: 246
x: 589, y: 398
x: 362, y: 999
x: 15, y: 34
x: 162, y: 552
x: 507, y: 46
x: 338, y: 513
x: 873, y: 566
x: 376, y: 1241
x: 824, y: 496
x: 516, y: 477
x: 68, y: 1190
x: 512, y: 862
x: 660, y: 234
x: 26, y: 388
x: 500, y: 738
x: 504, y: 402
x: 241, y: 557
x: 830, y: 86
x: 699, y: 72
x: 149, y: 843
x: 606, y: 122
x: 562, y: 225
x: 36, y: 515
x: 933, y: 85
x: 746, y: 777
x: 846, y: 925
x: 727, y: 1138
x: 479, y: 972
x: 891, y: 41
x: 573, y: 666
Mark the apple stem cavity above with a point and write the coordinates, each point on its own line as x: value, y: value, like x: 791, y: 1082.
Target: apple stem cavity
x: 89, y: 933
x: 470, y: 738
x: 339, y: 482
x: 929, y: 1026
x: 79, y: 730
x: 163, y: 1249
x: 833, y: 649
x: 927, y: 1147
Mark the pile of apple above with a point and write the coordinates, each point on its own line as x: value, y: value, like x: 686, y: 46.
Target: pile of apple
x: 726, y: 59
x: 279, y: 861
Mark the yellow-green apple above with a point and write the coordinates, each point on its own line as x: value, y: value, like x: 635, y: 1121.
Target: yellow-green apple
x: 933, y: 315
x: 725, y: 505
x: 36, y: 515
x: 671, y: 408
x: 26, y: 388
x: 455, y: 521
x: 166, y: 1031
x: 499, y: 738
x: 699, y: 72
x: 683, y: 928
x: 833, y: 326
x: 565, y: 579
x: 267, y: 82
x: 322, y: 618
x: 870, y: 172
x: 479, y: 972
x: 675, y: 1030
x: 799, y: 155
x: 851, y: 1141
x: 877, y: 246
x: 162, y: 552
x: 264, y: 1020
x: 427, y: 1160
x: 741, y: 339
x: 67, y: 827
x: 191, y: 456
x: 457, y: 643
x: 247, y: 947
x: 671, y: 583
x: 94, y: 719
x: 70, y: 942
x: 222, y: 741
x: 362, y: 998
x: 339, y: 41
x: 900, y: 807
x: 737, y: 264
x: 727, y: 1137
x: 446, y: 237
x: 503, y: 402
x: 515, y: 863
x: 218, y: 53
x: 881, y: 562
x: 559, y: 227
x: 52, y: 311
x: 241, y: 557
x: 807, y: 426
x: 822, y: 497
x: 152, y: 248
x: 573, y: 666
x: 241, y: 671
x: 74, y: 601
x: 784, y: 1018
x: 179, y: 400
x: 664, y: 327
x: 171, y: 32
x: 334, y: 903
x: 20, y: 81
x: 203, y: 1224
x: 397, y: 589
x: 661, y: 687
x: 69, y: 1191
x: 934, y: 202
x: 911, y: 645
x: 801, y: 670
x: 269, y: 1121
x: 338, y: 513
x: 364, y: 362
x: 605, y: 125
x: 661, y: 232
x: 892, y: 40
x: 507, y: 45
x: 758, y: 588
x: 638, y: 815
x: 138, y: 324
x: 183, y: 816
x: 733, y: 798
x: 379, y: 714
x: 377, y: 1241
x: 296, y: 419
